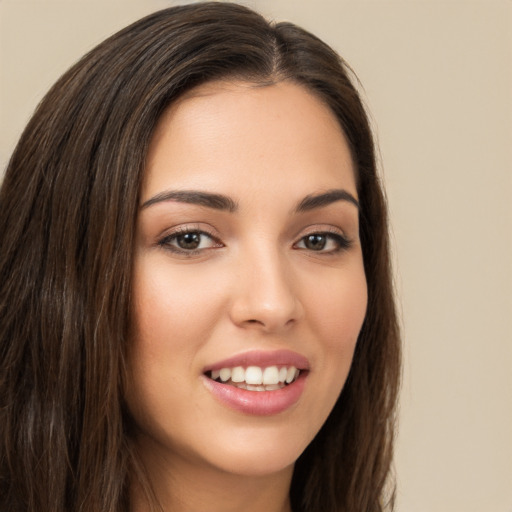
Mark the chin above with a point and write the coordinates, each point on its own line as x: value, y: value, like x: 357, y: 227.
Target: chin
x: 258, y: 455
x: 257, y: 464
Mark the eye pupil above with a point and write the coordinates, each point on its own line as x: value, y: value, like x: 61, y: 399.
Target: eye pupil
x: 315, y: 242
x: 189, y: 240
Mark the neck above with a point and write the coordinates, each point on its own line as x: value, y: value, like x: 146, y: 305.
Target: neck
x: 183, y: 486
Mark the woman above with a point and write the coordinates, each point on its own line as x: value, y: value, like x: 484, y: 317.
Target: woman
x: 196, y: 309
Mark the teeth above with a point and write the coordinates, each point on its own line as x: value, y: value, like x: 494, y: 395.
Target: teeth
x: 254, y: 375
x: 255, y: 388
x: 291, y: 374
x: 255, y: 378
x: 225, y: 374
x: 238, y: 374
x: 270, y: 375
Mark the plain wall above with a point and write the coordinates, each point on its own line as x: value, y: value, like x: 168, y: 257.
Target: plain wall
x: 438, y: 80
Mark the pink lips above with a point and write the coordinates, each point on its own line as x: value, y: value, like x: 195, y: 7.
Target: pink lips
x: 262, y: 403
x: 258, y: 358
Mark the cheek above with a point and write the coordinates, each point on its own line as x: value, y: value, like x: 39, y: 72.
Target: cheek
x: 174, y: 313
x: 165, y: 331
x: 339, y: 309
x: 173, y: 305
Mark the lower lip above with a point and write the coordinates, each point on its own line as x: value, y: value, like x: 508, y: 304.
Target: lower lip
x: 259, y: 403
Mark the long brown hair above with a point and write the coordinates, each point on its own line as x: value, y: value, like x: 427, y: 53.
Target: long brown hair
x: 68, y: 206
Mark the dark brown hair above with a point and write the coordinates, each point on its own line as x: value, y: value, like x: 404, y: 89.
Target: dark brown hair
x: 68, y: 206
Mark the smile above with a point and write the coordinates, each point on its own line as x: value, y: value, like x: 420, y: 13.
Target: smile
x: 256, y: 378
x: 258, y: 383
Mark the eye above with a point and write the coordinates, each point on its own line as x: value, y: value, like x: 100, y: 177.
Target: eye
x: 187, y: 241
x: 323, y: 242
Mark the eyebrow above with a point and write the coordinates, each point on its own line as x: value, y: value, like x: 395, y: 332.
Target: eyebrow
x: 215, y: 201
x: 225, y: 203
x: 314, y: 201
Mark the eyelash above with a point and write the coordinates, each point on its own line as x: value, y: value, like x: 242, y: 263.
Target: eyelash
x: 342, y: 243
x: 167, y: 241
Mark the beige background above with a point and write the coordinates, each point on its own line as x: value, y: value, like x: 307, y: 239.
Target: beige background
x: 438, y: 80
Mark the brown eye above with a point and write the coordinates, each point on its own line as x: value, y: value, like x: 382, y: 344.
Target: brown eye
x: 189, y: 241
x: 315, y: 242
x: 326, y: 243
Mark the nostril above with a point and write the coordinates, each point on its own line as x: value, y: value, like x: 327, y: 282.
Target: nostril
x: 253, y: 321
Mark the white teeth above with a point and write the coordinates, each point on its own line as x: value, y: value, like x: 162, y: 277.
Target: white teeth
x: 225, y: 374
x: 290, y: 375
x: 270, y: 375
x: 254, y: 375
x: 255, y: 388
x: 255, y: 378
x: 238, y: 374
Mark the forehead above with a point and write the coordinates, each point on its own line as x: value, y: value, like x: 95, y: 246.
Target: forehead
x: 225, y: 130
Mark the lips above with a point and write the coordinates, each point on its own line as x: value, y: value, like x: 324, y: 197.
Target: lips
x: 262, y: 359
x: 260, y: 383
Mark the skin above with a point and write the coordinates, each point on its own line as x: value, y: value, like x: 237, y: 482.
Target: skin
x: 252, y: 284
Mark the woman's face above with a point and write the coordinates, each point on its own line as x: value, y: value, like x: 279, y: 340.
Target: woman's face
x: 248, y: 274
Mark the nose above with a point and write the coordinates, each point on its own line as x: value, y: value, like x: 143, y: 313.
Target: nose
x: 266, y: 295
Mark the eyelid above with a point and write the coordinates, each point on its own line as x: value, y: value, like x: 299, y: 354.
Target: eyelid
x: 327, y: 229
x: 343, y: 241
x: 164, y: 240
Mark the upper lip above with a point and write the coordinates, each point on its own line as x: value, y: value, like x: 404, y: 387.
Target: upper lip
x: 262, y: 359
